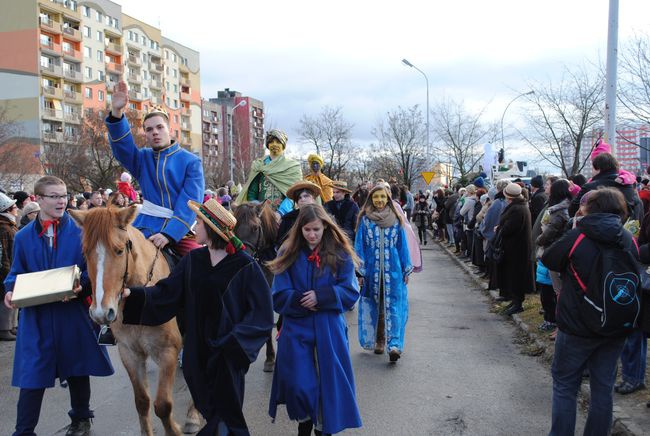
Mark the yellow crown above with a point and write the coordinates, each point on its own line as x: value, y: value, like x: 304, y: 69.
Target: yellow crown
x: 155, y: 110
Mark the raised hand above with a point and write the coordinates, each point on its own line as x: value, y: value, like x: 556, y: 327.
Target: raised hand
x: 120, y: 99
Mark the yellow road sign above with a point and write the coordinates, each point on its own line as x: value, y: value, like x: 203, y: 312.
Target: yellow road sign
x: 428, y: 176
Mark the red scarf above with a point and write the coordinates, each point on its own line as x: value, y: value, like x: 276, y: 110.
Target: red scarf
x: 315, y: 256
x: 46, y: 225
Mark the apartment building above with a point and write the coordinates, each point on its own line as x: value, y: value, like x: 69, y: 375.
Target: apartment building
x: 242, y: 131
x: 62, y: 57
x: 212, y: 130
x: 631, y: 148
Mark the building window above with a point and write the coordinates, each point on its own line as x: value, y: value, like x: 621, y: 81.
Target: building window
x: 100, y: 36
x: 100, y: 76
x: 88, y: 92
x: 167, y: 84
x: 175, y: 104
x: 174, y: 58
x: 89, y: 73
x: 166, y: 54
x: 145, y: 92
x: 98, y: 16
x: 145, y: 75
x: 86, y: 11
x: 87, y: 52
x: 87, y: 32
x: 45, y: 61
x: 116, y: 23
x: 176, y: 119
x: 100, y: 55
x: 175, y: 73
x: 100, y: 95
x: 175, y: 88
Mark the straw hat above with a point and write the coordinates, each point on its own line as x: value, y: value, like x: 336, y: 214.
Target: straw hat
x: 295, y: 189
x: 219, y: 220
x: 341, y: 185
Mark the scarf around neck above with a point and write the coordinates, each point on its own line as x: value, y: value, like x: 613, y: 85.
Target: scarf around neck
x: 9, y: 216
x: 385, y: 218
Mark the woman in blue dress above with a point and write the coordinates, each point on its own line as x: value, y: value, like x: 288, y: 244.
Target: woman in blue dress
x: 385, y: 267
x: 314, y: 286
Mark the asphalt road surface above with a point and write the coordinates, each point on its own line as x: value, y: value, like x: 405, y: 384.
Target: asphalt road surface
x: 460, y: 374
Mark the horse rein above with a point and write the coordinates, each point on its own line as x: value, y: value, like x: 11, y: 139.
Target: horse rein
x: 128, y: 248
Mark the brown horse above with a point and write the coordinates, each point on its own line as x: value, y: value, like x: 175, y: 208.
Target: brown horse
x: 118, y: 256
x: 257, y: 227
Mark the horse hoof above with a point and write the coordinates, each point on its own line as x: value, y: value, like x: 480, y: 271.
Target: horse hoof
x: 191, y: 427
x: 268, y: 365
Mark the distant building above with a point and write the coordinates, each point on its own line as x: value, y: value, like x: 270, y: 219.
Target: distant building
x: 211, y: 133
x: 629, y: 152
x: 243, y: 129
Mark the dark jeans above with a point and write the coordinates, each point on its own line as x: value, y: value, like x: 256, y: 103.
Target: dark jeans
x: 422, y: 234
x: 549, y: 301
x: 29, y: 405
x: 634, y: 358
x: 574, y: 354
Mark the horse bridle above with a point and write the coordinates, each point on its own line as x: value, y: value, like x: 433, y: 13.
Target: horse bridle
x: 128, y: 247
x: 255, y: 249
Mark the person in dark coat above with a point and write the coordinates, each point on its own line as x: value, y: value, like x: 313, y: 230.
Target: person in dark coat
x: 226, y: 301
x: 515, y: 271
x: 422, y: 218
x: 577, y: 347
x: 343, y: 209
x: 450, y: 209
x: 8, y: 229
x: 606, y: 173
x: 302, y: 192
x: 538, y: 197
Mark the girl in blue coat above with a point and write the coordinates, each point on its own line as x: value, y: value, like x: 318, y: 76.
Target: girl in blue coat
x: 314, y: 286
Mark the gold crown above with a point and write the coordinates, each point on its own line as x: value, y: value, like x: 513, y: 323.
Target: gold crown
x: 155, y: 110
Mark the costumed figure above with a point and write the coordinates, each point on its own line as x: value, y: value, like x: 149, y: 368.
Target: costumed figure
x: 386, y: 264
x: 314, y: 286
x: 272, y: 175
x: 301, y: 193
x: 226, y: 302
x: 124, y: 186
x: 169, y: 175
x: 316, y: 176
x: 56, y: 340
x: 342, y: 208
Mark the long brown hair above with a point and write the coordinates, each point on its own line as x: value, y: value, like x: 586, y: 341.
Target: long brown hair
x: 368, y: 205
x: 334, y: 245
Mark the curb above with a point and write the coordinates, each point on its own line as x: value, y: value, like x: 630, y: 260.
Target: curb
x: 622, y: 424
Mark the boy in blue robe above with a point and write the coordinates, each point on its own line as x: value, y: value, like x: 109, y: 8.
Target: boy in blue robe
x: 169, y: 175
x: 56, y: 339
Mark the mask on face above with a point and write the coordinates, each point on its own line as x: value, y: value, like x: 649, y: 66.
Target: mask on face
x: 380, y: 199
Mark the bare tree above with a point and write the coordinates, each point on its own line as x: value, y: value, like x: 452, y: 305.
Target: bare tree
x: 330, y: 133
x: 18, y: 155
x: 561, y: 115
x: 634, y: 79
x: 401, y: 144
x: 461, y: 134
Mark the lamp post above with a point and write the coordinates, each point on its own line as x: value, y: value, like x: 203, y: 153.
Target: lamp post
x: 408, y: 64
x: 504, y: 114
x: 232, y: 112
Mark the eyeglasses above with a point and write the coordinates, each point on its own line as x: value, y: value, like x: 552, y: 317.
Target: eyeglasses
x: 56, y: 197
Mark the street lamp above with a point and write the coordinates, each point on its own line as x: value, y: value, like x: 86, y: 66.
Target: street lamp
x: 504, y: 114
x: 232, y: 112
x: 408, y: 64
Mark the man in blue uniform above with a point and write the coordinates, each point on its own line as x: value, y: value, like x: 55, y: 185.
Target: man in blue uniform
x: 168, y: 175
x: 56, y: 340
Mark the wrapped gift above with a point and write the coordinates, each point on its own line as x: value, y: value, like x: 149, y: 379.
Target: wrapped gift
x: 49, y: 286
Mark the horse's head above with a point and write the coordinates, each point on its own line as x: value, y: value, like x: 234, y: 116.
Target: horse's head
x: 257, y: 226
x: 107, y: 247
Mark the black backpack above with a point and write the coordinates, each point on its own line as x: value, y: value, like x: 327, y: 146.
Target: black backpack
x: 610, y: 298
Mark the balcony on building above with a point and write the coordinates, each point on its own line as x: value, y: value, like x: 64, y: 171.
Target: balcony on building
x: 134, y: 95
x: 186, y: 111
x: 114, y: 68
x: 71, y: 33
x: 184, y: 81
x: 51, y: 47
x: 47, y: 23
x: 186, y: 139
x: 72, y: 96
x: 185, y: 95
x: 113, y: 48
x: 52, y: 69
x: 155, y: 100
x: 72, y: 54
x: 155, y: 66
x: 206, y: 127
x: 49, y: 113
x: 72, y: 117
x: 53, y: 92
x: 73, y: 75
x: 134, y: 59
x: 155, y: 84
x: 66, y: 7
x: 186, y: 125
x: 52, y: 136
x: 134, y: 78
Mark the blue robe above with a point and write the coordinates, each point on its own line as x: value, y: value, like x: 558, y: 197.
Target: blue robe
x: 313, y: 372
x: 55, y: 339
x: 385, y: 260
x: 168, y: 178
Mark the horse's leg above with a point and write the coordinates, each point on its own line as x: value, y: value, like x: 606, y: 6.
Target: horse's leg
x: 269, y: 363
x: 192, y: 419
x: 135, y: 365
x: 167, y: 360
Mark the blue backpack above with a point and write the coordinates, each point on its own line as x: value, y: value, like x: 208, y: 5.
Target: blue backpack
x: 610, y: 298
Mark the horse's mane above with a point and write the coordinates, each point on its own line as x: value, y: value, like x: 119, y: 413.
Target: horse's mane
x: 270, y: 225
x: 246, y: 214
x: 99, y: 227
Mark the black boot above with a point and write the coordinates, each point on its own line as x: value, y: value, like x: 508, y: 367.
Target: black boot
x: 79, y: 427
x: 304, y: 428
x: 516, y: 308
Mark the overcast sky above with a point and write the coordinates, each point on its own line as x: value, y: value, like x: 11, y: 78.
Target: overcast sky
x: 297, y: 56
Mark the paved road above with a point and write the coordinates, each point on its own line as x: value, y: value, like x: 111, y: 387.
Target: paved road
x: 460, y: 374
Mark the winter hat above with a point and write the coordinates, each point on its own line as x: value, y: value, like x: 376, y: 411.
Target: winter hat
x: 513, y: 190
x: 484, y: 198
x: 31, y: 207
x: 492, y: 192
x: 574, y: 189
x: 5, y: 202
x: 479, y: 182
x: 108, y: 191
x: 601, y: 147
x: 125, y: 177
x: 537, y: 182
x: 20, y: 197
x: 315, y: 158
